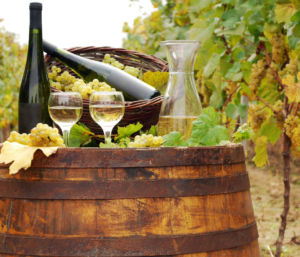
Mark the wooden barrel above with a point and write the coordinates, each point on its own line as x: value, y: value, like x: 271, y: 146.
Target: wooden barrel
x: 129, y: 202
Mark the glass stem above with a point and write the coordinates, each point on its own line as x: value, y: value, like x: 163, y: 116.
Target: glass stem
x: 107, y: 135
x: 66, y: 137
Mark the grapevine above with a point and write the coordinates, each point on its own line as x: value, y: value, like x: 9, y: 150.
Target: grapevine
x: 290, y: 69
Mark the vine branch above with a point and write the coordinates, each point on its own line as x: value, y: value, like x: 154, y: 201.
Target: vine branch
x: 286, y: 161
x: 229, y: 98
x: 296, y: 110
x: 265, y: 103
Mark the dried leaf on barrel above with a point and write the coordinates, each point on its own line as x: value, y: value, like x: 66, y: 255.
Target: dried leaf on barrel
x: 21, y: 155
x: 157, y: 79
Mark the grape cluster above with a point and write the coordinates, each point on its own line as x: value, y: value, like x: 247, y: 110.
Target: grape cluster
x: 296, y: 137
x: 68, y: 83
x: 257, y: 73
x: 278, y: 106
x: 291, y: 122
x: 269, y: 74
x: 278, y: 48
x: 129, y: 69
x: 290, y: 69
x: 146, y: 140
x: 258, y: 115
x: 42, y: 135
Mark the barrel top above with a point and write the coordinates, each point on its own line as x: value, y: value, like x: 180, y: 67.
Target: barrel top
x: 138, y: 157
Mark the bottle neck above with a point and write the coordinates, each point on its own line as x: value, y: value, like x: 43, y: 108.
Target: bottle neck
x: 35, y: 45
x: 35, y: 19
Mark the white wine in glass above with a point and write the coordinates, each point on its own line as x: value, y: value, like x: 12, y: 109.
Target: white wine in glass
x: 65, y: 110
x: 107, y: 109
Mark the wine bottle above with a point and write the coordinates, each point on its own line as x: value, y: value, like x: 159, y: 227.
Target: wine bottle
x: 35, y: 88
x: 88, y: 70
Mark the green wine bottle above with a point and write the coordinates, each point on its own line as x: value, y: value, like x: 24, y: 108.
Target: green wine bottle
x: 35, y: 88
x: 132, y: 88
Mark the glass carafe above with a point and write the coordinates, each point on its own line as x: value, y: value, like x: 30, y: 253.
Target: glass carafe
x: 181, y: 104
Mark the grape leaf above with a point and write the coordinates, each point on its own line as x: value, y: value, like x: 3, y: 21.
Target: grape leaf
x: 216, y: 99
x: 174, y: 139
x: 128, y: 130
x: 152, y: 131
x: 230, y: 18
x: 79, y: 134
x: 21, y: 155
x: 239, y: 30
x: 212, y: 64
x: 244, y: 132
x: 261, y: 157
x: 292, y: 89
x: 201, y: 30
x: 269, y: 130
x: 206, y: 131
x: 233, y: 111
x: 296, y: 17
x: 284, y: 12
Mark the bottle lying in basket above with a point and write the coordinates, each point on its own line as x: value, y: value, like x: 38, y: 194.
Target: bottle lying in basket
x: 133, y: 88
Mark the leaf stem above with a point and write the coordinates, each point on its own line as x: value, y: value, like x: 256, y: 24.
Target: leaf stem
x: 265, y: 103
x: 229, y: 97
x: 250, y: 41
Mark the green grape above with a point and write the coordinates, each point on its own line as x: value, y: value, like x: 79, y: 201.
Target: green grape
x: 278, y: 48
x: 257, y: 73
x: 149, y: 137
x: 279, y: 116
x: 291, y: 122
x: 258, y: 115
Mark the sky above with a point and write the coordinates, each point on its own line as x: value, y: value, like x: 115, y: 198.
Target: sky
x: 80, y: 23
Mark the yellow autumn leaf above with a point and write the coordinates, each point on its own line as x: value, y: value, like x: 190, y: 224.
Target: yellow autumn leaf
x: 21, y: 155
x: 284, y: 12
x: 157, y: 80
x: 292, y: 89
x: 261, y: 157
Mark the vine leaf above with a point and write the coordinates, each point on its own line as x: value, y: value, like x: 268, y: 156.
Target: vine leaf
x: 212, y: 64
x: 128, y: 130
x: 284, y: 12
x: 21, y: 155
x: 79, y: 135
x: 174, y: 139
x: 261, y: 157
x: 244, y: 132
x: 206, y: 130
x: 202, y: 31
x: 292, y: 89
x: 233, y: 111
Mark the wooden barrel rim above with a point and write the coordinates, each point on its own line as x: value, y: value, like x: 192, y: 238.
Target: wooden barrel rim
x: 130, y: 246
x: 101, y: 190
x: 138, y: 157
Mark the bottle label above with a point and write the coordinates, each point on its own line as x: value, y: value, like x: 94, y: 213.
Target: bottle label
x: 29, y: 116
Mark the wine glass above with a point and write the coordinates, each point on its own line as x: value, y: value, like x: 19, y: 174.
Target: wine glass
x: 65, y: 110
x: 107, y: 109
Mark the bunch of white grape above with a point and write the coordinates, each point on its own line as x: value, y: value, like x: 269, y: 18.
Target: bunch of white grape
x: 146, y: 140
x: 42, y: 135
x: 68, y: 83
x: 129, y: 69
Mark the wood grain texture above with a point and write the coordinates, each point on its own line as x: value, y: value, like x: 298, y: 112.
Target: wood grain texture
x: 170, y: 202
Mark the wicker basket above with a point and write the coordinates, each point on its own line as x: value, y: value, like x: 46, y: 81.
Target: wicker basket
x: 144, y: 111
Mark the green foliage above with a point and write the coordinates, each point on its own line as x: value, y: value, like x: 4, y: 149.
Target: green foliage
x: 206, y: 130
x: 244, y: 132
x: 12, y: 63
x: 234, y: 35
x: 261, y: 157
x: 174, y: 139
x: 128, y: 131
x: 80, y: 135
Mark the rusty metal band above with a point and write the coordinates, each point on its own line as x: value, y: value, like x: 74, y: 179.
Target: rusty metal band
x: 130, y: 246
x: 127, y: 189
x: 141, y: 157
